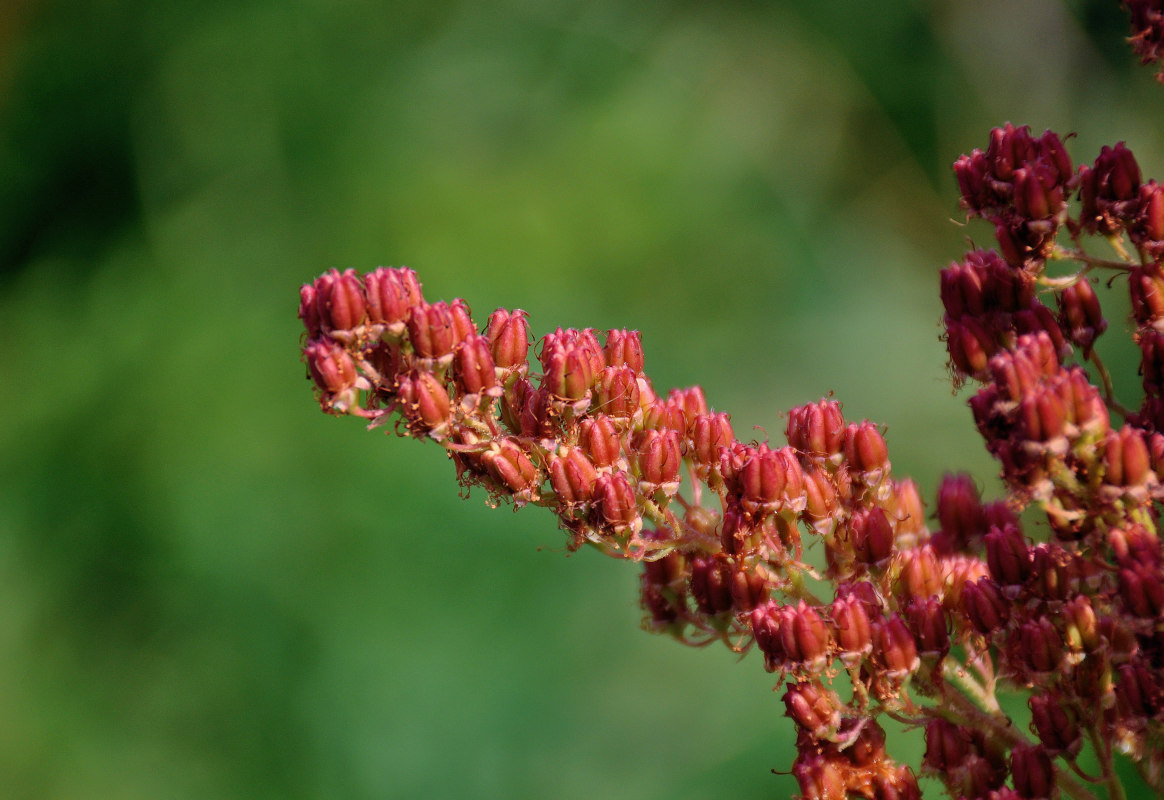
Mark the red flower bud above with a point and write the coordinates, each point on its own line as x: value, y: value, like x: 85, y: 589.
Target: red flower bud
x: 820, y: 494
x: 898, y: 784
x: 624, y: 347
x: 617, y: 392
x: 710, y: 432
x: 854, y: 629
x: 663, y: 414
x: 1142, y: 589
x: 432, y: 330
x: 692, y: 402
x: 1147, y: 289
x: 616, y: 502
x: 948, y: 746
x: 960, y: 513
x: 473, y: 368
x: 512, y: 467
x: 865, y: 449
x: 820, y: 778
x: 391, y: 294
x: 599, y: 439
x: 1039, y: 646
x: 572, y: 476
x: 970, y: 346
x: 1126, y: 458
x: 330, y: 366
x: 871, y: 535
x: 768, y: 479
x: 309, y: 310
x: 804, y: 637
x: 424, y: 403
x: 1148, y: 226
x: 927, y: 620
x: 711, y: 579
x: 895, y: 648
x: 658, y: 460
x: 814, y: 708
x: 340, y: 300
x: 568, y: 372
x: 1138, y: 693
x: 508, y: 333
x: 816, y: 429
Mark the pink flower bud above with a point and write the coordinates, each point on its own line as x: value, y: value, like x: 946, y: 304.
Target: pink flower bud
x: 340, y: 300
x: 919, y: 575
x: 865, y: 449
x: 616, y: 502
x: 767, y: 479
x: 473, y: 368
x: 572, y: 476
x: 804, y: 636
x: 971, y: 172
x: 898, y: 784
x: 821, y: 501
x: 1148, y: 225
x: 1109, y: 190
x: 854, y: 630
x: 658, y: 459
x: 709, y: 433
x: 599, y: 440
x: 820, y: 778
x: 816, y: 429
x: 432, y: 330
x: 948, y: 746
x: 895, y: 648
x: 871, y: 535
x: 617, y: 392
x: 330, y: 365
x: 748, y: 588
x: 624, y: 348
x: 960, y: 513
x: 711, y: 578
x: 970, y: 346
x: 512, y: 468
x: 813, y: 708
x: 664, y: 414
x: 1126, y: 458
x: 1039, y: 646
x: 309, y: 310
x: 392, y: 292
x: 1142, y: 589
x: 692, y: 402
x: 424, y: 403
x: 508, y: 334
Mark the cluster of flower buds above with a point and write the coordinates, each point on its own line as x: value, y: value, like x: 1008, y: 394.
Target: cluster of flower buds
x: 1147, y: 31
x: 812, y: 552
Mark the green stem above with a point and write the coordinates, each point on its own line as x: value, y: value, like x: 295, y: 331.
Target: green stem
x: 1115, y: 789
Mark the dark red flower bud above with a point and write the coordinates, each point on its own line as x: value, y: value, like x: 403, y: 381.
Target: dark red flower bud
x: 1032, y: 772
x: 927, y: 620
x: 1008, y: 556
x: 871, y: 535
x: 1146, y: 284
x: 962, y: 290
x: 1033, y: 199
x: 512, y: 468
x: 709, y: 433
x: 970, y: 346
x: 748, y: 587
x: 948, y: 746
x: 424, y: 403
x: 330, y: 366
x: 711, y: 579
x: 1080, y: 315
x: 624, y: 347
x: 1138, y: 693
x: 572, y: 476
x: 804, y: 636
x: 960, y: 513
x: 1142, y: 589
x: 508, y: 333
x: 392, y: 292
x: 853, y: 628
x: 1056, y: 725
x: 660, y: 414
x: 868, y: 748
x: 814, y: 708
x: 617, y: 391
x: 1055, y: 572
x: 658, y: 459
x: 766, y: 622
x: 1126, y: 458
x: 1040, y: 646
x: 816, y: 429
x: 865, y: 449
x: 340, y: 300
x: 599, y: 439
x: 820, y: 778
x: 985, y: 606
x: 616, y: 502
x: 972, y: 174
x: 1148, y: 225
x: 895, y: 648
x: 473, y: 368
x: 568, y: 372
x: 1109, y: 190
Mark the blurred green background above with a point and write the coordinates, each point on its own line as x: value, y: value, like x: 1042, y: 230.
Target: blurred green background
x: 209, y: 589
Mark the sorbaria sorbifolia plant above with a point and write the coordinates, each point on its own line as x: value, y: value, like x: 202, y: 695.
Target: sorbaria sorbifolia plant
x: 928, y: 624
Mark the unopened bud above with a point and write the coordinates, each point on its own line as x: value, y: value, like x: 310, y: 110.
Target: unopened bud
x: 392, y: 292
x: 508, y: 334
x: 624, y: 348
x: 572, y: 476
x: 816, y: 429
x: 814, y: 708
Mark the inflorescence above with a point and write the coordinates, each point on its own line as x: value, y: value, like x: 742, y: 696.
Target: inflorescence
x: 923, y: 624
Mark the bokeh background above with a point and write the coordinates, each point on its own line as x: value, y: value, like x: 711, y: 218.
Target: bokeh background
x: 209, y: 589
